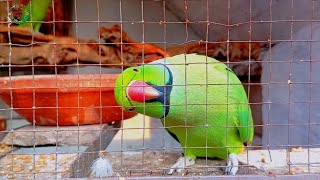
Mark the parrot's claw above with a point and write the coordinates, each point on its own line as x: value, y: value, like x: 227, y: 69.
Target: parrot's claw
x: 181, y: 163
x: 232, y: 166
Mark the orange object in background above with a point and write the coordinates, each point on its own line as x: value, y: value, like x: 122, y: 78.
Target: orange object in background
x: 3, y: 124
x: 66, y: 99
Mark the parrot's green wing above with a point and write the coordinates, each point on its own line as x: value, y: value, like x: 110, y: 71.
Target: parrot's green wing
x: 244, y: 122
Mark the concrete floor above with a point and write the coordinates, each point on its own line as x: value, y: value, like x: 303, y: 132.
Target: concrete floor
x: 143, y: 132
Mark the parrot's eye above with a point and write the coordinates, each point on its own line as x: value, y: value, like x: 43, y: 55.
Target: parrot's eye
x: 131, y: 109
x: 136, y: 70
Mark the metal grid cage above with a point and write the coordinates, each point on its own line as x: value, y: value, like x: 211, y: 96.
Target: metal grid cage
x: 59, y: 114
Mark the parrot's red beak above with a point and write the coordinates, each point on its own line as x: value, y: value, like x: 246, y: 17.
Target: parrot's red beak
x: 140, y: 91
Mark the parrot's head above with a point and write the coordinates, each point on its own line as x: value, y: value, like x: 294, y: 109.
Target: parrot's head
x: 145, y: 89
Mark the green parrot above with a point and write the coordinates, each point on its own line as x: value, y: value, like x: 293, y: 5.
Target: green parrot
x: 35, y: 10
x: 200, y: 102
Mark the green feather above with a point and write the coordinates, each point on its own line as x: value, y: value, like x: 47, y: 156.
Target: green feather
x: 35, y: 10
x: 209, y: 111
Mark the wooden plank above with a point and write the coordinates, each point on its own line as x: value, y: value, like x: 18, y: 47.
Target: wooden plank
x: 81, y: 166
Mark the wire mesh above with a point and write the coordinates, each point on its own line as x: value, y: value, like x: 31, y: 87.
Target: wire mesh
x: 59, y: 113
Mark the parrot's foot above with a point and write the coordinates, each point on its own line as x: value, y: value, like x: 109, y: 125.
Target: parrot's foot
x: 232, y: 166
x: 181, y: 163
x: 101, y: 167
